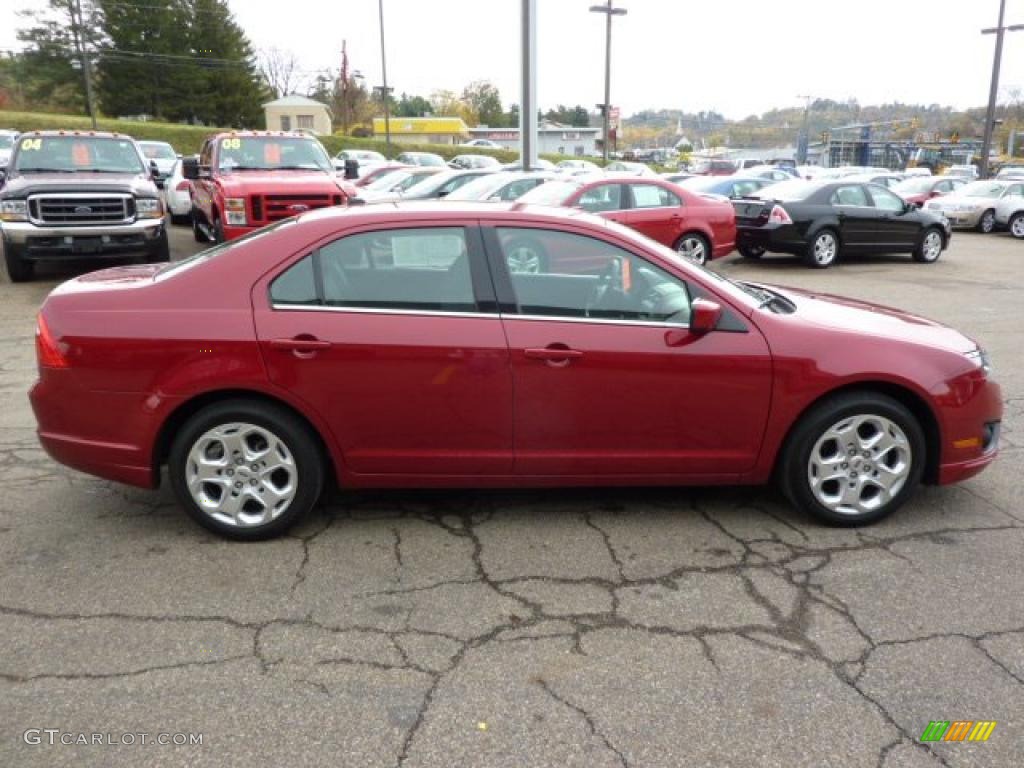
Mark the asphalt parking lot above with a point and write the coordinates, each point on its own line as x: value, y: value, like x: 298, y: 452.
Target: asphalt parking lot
x: 573, y: 628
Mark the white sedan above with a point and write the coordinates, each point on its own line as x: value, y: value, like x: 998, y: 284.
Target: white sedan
x: 178, y: 196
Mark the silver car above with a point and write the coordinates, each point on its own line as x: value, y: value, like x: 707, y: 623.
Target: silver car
x: 973, y: 206
x: 1010, y: 210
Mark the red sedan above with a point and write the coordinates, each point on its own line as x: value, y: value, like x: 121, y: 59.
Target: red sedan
x: 920, y: 189
x: 393, y: 346
x: 699, y: 227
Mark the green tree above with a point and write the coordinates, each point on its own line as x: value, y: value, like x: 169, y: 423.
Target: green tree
x: 412, y: 106
x: 484, y: 100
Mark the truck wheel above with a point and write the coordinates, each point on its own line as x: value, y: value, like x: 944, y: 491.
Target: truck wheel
x: 18, y: 268
x: 162, y: 250
x: 218, y: 230
x: 197, y: 230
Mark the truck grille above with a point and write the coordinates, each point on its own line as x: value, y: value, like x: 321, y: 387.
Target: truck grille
x: 80, y: 210
x: 277, y: 207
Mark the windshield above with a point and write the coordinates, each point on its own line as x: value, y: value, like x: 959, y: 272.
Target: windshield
x: 703, y: 183
x: 914, y: 186
x: 425, y: 158
x: 480, y: 188
x: 797, y: 189
x: 272, y: 153
x: 427, y: 184
x: 982, y: 189
x: 73, y: 154
x: 552, y: 193
x: 388, y: 180
x: 157, y: 151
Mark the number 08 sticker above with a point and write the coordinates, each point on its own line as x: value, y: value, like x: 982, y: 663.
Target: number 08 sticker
x: 31, y: 145
x: 231, y: 143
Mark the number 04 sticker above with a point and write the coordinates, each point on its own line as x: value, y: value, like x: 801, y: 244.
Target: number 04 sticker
x: 30, y: 145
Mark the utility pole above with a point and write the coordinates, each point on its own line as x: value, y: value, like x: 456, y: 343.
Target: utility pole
x: 609, y: 11
x: 990, y: 116
x: 384, y: 73
x: 528, y: 121
x: 77, y: 26
x: 804, y: 138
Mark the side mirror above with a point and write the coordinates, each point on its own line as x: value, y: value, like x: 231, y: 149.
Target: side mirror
x: 190, y: 168
x: 704, y: 316
x: 3, y: 176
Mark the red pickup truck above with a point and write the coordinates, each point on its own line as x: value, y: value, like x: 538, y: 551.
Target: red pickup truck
x: 243, y: 180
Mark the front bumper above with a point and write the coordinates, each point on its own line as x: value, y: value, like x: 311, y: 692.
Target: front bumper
x: 43, y: 243
x: 972, y: 412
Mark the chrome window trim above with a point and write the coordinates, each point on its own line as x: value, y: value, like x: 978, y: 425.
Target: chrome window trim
x: 496, y: 315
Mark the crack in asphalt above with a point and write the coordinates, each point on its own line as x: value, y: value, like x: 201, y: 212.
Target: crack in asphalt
x: 587, y: 718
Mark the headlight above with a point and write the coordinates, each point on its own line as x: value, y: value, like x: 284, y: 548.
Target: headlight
x: 13, y: 210
x: 980, y: 357
x: 235, y: 211
x: 149, y: 208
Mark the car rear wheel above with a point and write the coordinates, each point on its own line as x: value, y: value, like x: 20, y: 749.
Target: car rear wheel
x: 19, y: 269
x: 930, y: 247
x: 751, y: 251
x: 987, y: 222
x: 823, y: 250
x: 853, y: 459
x: 1016, y: 225
x: 197, y: 229
x: 245, y: 469
x: 694, y: 247
x: 218, y: 230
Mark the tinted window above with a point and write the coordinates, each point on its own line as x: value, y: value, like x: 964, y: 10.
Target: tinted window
x: 886, y: 200
x: 653, y: 196
x: 559, y: 274
x: 1015, y: 190
x: 853, y: 195
x: 425, y: 269
x: 605, y: 197
x: 295, y: 286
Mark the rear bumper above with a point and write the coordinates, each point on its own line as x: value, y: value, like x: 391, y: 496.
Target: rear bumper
x: 772, y: 237
x: 720, y: 249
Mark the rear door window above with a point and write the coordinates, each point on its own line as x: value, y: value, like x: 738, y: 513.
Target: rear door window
x: 603, y: 197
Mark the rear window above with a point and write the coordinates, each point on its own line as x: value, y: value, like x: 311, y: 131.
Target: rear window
x: 552, y: 193
x: 211, y: 253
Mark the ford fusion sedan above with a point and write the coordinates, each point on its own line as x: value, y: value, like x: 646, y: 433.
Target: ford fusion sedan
x: 973, y: 206
x: 392, y: 346
x: 821, y: 220
x: 698, y: 227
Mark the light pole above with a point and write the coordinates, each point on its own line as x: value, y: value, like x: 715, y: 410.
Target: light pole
x: 993, y: 92
x: 609, y: 11
x: 78, y: 35
x: 384, y: 73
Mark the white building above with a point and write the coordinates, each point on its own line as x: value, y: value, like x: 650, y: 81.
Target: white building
x: 552, y: 138
x: 297, y: 113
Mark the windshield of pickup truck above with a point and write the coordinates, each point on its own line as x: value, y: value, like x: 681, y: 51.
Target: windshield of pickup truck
x: 77, y: 154
x: 272, y: 153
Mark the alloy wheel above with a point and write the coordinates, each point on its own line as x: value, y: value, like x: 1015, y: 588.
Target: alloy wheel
x: 693, y: 248
x: 932, y: 246
x: 859, y: 464
x: 988, y: 222
x: 523, y: 260
x: 825, y: 248
x: 1017, y: 226
x: 241, y: 474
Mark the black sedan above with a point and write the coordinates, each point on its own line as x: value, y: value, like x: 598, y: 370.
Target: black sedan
x: 820, y: 220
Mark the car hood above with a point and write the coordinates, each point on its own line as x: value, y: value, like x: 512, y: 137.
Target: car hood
x: 21, y: 186
x: 285, y: 182
x: 851, y: 315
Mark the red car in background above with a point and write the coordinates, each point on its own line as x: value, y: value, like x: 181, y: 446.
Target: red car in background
x: 393, y: 346
x: 918, y: 190
x: 698, y: 227
x: 377, y: 171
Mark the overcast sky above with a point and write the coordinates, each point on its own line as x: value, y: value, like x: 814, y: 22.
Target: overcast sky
x: 738, y: 57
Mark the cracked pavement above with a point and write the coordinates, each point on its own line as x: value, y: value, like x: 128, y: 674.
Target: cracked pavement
x: 583, y: 628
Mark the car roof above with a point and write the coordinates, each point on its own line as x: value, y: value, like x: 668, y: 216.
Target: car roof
x: 441, y: 210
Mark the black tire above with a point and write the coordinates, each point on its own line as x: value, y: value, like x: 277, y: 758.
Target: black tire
x: 928, y: 250
x: 218, y: 230
x: 197, y: 231
x: 1016, y: 225
x: 795, y: 462
x: 987, y: 222
x: 751, y: 251
x: 819, y: 254
x: 181, y: 221
x: 299, y: 441
x: 19, y: 269
x: 161, y: 252
x: 694, y: 247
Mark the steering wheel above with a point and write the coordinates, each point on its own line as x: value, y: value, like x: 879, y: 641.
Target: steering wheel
x: 608, y: 292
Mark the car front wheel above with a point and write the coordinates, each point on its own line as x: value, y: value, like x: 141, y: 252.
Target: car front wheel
x: 930, y: 247
x: 853, y: 459
x: 987, y: 222
x: 245, y: 469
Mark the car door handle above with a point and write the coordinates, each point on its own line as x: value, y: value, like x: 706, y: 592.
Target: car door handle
x: 300, y: 344
x: 557, y: 356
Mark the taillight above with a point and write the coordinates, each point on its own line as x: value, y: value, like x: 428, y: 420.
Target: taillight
x: 779, y: 215
x: 183, y: 185
x: 48, y: 351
